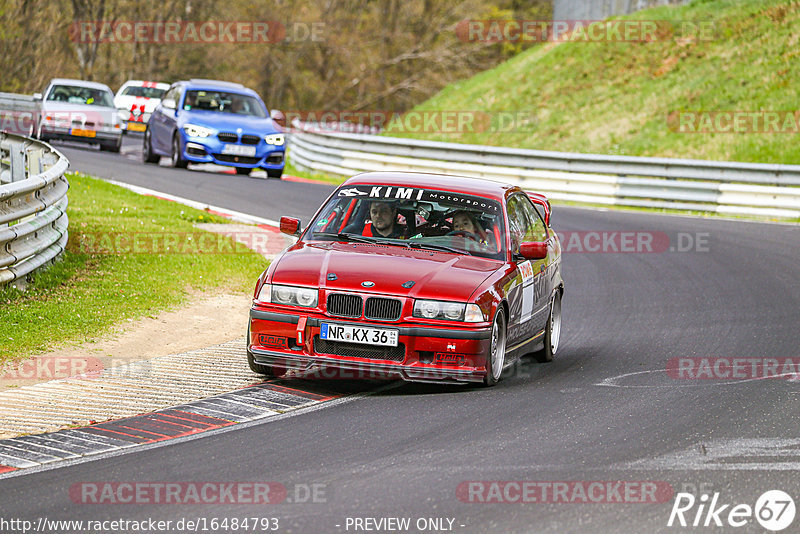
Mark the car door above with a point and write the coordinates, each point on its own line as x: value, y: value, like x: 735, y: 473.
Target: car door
x: 162, y: 121
x: 529, y: 301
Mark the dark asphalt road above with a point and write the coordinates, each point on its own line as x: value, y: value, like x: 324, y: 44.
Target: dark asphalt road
x: 404, y: 452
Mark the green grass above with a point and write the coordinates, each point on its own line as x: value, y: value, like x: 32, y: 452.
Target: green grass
x: 89, y: 291
x: 312, y: 175
x: 616, y: 97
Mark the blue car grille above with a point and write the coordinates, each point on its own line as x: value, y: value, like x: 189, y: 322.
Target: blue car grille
x: 250, y: 139
x: 227, y: 137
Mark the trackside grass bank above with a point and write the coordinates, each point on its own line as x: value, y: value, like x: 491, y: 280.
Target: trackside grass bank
x: 129, y: 256
x: 723, y: 93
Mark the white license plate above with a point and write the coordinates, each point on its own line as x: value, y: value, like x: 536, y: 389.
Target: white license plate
x: 359, y: 334
x: 239, y: 150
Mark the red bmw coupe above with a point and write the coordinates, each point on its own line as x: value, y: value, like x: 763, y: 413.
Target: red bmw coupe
x: 423, y: 277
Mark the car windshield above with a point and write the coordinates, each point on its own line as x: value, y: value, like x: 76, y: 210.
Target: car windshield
x: 413, y: 217
x: 73, y: 94
x: 224, y: 102
x: 143, y: 92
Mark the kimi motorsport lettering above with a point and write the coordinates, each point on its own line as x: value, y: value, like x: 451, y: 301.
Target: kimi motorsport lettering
x: 409, y: 193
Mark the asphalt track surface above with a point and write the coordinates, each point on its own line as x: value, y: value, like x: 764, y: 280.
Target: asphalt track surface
x: 404, y: 450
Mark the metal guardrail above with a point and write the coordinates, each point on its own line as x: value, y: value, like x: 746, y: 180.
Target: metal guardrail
x: 33, y: 206
x: 722, y: 187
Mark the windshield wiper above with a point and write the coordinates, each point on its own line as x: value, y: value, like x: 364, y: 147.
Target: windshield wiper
x: 445, y: 248
x: 347, y: 237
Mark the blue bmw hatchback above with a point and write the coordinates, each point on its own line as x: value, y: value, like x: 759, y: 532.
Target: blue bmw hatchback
x: 209, y: 121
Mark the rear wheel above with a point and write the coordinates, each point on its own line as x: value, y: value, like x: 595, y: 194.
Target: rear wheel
x: 177, y: 158
x: 274, y: 173
x: 243, y: 170
x: 496, y: 358
x: 147, y: 150
x: 552, y: 332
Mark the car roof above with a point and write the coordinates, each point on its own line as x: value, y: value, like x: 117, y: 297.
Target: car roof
x: 462, y: 184
x: 140, y: 83
x: 196, y: 83
x: 79, y: 83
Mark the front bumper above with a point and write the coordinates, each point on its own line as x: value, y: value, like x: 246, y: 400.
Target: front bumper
x: 210, y: 150
x: 292, y: 341
x: 65, y: 134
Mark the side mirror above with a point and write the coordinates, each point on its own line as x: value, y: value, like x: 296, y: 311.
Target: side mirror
x: 533, y: 250
x: 169, y: 103
x: 290, y: 226
x: 278, y: 116
x: 37, y: 96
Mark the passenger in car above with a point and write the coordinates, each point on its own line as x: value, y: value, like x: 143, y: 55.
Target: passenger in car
x: 464, y: 221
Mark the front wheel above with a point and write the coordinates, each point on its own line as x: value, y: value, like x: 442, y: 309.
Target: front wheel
x: 496, y: 359
x: 177, y: 158
x: 274, y: 173
x: 243, y: 170
x: 552, y: 332
x: 269, y: 371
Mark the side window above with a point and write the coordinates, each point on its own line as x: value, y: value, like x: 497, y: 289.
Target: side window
x: 173, y: 94
x: 524, y: 221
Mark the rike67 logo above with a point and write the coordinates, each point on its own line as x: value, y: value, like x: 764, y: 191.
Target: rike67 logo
x: 774, y: 510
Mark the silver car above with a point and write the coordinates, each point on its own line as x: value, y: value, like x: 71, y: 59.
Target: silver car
x: 82, y: 111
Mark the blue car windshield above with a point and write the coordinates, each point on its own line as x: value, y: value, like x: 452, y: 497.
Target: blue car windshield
x: 224, y: 102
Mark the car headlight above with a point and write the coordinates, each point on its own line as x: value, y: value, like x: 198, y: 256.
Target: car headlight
x: 289, y: 295
x: 449, y: 311
x: 193, y: 130
x: 275, y: 139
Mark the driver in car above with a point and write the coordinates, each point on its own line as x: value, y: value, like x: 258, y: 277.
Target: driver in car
x: 384, y: 221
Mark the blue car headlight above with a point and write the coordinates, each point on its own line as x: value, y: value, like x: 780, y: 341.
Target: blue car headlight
x: 275, y: 139
x: 193, y: 130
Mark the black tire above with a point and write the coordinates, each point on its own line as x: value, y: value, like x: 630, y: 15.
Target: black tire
x: 243, y: 170
x: 112, y: 147
x: 147, y: 149
x: 497, y: 348
x: 552, y: 332
x: 177, y: 159
x: 274, y: 173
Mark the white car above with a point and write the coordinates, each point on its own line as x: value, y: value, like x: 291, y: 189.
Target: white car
x: 77, y: 110
x: 136, y: 100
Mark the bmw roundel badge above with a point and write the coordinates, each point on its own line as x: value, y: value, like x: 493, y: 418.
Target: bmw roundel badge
x: 367, y: 283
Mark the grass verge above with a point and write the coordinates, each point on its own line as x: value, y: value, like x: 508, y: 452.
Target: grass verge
x: 625, y: 97
x: 106, y: 276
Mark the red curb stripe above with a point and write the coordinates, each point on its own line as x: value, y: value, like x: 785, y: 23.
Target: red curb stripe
x: 300, y: 393
x: 6, y: 469
x: 290, y: 178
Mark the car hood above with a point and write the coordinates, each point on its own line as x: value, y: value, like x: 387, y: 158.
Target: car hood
x: 229, y: 121
x: 436, y: 275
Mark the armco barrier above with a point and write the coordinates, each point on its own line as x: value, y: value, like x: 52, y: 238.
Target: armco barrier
x: 723, y: 187
x: 33, y: 205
